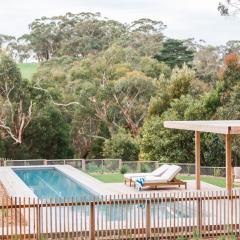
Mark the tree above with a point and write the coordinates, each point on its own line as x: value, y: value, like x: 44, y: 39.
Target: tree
x: 132, y: 94
x: 71, y: 35
x: 47, y: 140
x: 229, y: 7
x: 15, y: 100
x: 171, y: 88
x: 207, y: 63
x: 175, y: 53
x: 121, y: 145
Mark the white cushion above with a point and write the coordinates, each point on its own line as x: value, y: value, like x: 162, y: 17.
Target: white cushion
x: 152, y: 179
x: 159, y: 171
x: 167, y: 176
x: 237, y: 172
x: 136, y: 175
x: 171, y: 172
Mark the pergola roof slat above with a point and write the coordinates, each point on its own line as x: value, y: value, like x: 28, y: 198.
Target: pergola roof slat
x: 213, y: 126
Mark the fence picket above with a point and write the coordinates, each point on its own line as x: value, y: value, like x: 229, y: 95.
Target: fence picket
x: 122, y: 216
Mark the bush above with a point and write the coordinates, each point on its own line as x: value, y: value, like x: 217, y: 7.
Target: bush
x: 145, y: 168
x: 124, y: 169
x: 121, y: 145
x: 92, y: 167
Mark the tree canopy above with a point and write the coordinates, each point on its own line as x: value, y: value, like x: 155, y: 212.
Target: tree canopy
x: 103, y: 89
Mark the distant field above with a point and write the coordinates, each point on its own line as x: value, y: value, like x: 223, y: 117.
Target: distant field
x: 28, y: 69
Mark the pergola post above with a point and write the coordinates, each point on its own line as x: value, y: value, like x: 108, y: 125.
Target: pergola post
x: 228, y: 144
x: 197, y: 159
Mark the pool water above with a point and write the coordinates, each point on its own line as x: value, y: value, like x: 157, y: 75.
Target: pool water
x: 51, y: 183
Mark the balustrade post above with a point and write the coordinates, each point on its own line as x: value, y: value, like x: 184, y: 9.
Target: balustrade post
x: 92, y: 221
x: 38, y: 221
x: 120, y: 164
x: 102, y: 164
x: 148, y: 219
x: 138, y: 166
x: 199, y: 214
x: 84, y: 165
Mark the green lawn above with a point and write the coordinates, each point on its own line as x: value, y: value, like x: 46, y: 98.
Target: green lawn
x: 118, y: 178
x: 28, y: 69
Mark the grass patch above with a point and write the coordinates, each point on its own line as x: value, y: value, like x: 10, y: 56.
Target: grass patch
x: 109, y: 177
x: 28, y: 69
x: 118, y: 178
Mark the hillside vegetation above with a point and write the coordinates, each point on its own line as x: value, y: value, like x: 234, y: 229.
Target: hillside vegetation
x: 102, y: 89
x: 28, y: 69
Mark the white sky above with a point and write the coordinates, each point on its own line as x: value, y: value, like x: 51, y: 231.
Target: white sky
x: 197, y: 19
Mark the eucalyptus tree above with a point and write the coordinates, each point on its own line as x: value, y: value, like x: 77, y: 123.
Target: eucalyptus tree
x: 15, y: 100
x: 228, y: 7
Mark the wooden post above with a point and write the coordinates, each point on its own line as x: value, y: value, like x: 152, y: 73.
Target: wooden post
x: 92, y: 221
x: 228, y: 143
x: 148, y: 219
x: 197, y: 160
x: 138, y: 166
x: 156, y: 164
x: 199, y: 214
x: 120, y: 164
x: 84, y: 165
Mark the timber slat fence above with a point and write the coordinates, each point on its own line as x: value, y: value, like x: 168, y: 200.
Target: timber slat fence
x: 139, y: 216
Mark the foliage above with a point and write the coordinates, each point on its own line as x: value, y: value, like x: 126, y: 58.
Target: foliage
x: 124, y: 169
x: 145, y: 168
x: 103, y: 89
x: 28, y: 69
x: 48, y: 140
x: 228, y: 7
x: 121, y: 145
x: 175, y: 53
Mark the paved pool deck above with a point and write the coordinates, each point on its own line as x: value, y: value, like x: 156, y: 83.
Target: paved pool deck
x: 15, y: 187
x: 121, y: 188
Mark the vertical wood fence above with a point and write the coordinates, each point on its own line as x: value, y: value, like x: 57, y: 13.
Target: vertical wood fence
x: 152, y: 216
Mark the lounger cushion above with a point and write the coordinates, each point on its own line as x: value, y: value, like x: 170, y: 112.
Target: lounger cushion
x: 159, y: 171
x: 237, y: 174
x: 167, y: 176
x: 152, y: 179
x: 172, y: 172
x: 136, y: 175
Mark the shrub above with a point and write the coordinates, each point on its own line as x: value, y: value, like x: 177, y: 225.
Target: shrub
x: 121, y: 145
x: 124, y: 169
x: 217, y: 172
x: 92, y: 167
x: 145, y: 168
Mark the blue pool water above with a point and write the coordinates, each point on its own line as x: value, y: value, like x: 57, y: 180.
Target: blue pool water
x: 51, y: 183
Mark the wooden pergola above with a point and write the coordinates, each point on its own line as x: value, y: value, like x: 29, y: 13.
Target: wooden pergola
x: 226, y: 127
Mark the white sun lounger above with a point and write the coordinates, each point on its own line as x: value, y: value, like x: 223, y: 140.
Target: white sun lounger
x: 168, y: 178
x: 128, y: 177
x: 237, y: 175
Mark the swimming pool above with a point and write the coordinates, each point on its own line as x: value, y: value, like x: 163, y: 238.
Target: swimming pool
x: 51, y: 183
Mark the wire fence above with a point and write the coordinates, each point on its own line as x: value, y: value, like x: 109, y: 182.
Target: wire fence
x: 114, y: 165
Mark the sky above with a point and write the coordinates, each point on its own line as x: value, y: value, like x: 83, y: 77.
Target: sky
x: 197, y: 19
